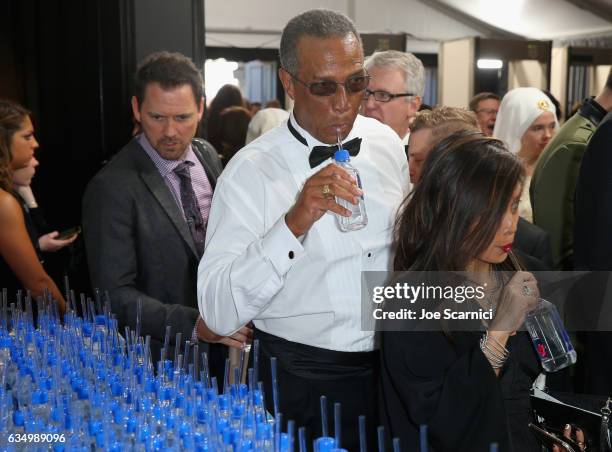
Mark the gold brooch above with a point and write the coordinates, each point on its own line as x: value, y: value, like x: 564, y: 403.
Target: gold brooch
x: 543, y: 104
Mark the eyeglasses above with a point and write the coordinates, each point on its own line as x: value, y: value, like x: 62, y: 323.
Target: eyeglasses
x: 353, y: 84
x: 384, y: 96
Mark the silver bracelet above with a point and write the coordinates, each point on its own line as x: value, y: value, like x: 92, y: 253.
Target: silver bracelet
x: 495, y: 353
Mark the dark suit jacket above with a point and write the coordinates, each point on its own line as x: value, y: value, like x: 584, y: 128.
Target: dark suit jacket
x: 139, y: 246
x: 592, y: 214
x: 593, y: 247
x: 533, y: 241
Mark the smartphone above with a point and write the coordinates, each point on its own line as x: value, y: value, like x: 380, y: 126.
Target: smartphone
x: 67, y: 233
x: 549, y: 439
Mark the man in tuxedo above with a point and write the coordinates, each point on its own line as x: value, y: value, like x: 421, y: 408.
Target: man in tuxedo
x: 274, y: 253
x: 145, y: 213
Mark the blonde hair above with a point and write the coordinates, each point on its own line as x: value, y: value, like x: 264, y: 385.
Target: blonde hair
x: 444, y: 121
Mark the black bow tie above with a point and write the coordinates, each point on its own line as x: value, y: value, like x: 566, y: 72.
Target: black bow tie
x: 321, y: 153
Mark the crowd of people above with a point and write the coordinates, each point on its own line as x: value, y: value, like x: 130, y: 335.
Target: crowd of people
x: 233, y: 237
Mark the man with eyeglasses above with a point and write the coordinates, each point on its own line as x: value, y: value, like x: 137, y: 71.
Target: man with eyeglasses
x: 274, y: 252
x: 396, y: 90
x: 485, y: 105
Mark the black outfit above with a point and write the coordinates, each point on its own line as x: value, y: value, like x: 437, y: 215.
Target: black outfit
x: 448, y: 384
x: 533, y: 241
x: 349, y: 377
x: 443, y: 380
x: 8, y: 279
x: 593, y: 217
x: 139, y: 246
x: 593, y: 246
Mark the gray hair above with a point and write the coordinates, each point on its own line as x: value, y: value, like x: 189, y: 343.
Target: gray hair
x: 406, y: 63
x: 320, y: 23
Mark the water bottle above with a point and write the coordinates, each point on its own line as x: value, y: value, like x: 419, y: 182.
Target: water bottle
x: 549, y: 337
x: 358, y: 218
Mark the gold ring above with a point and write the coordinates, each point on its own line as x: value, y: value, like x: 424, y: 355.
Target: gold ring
x: 326, y: 190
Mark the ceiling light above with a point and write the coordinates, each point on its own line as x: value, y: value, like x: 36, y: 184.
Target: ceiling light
x: 489, y: 64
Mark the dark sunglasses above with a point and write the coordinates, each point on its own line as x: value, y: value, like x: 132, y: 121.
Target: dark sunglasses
x: 384, y: 96
x: 353, y: 84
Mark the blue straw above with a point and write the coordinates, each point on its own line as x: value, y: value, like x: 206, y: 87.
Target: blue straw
x: 337, y: 424
x: 396, y: 445
x: 381, y: 439
x: 324, y: 416
x: 423, y: 438
x: 302, y: 439
x: 278, y: 423
x: 291, y: 433
x: 256, y: 360
x: 362, y: 434
x: 273, y: 365
x: 226, y: 376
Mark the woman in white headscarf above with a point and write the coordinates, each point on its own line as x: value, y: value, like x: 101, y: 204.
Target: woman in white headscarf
x: 526, y: 122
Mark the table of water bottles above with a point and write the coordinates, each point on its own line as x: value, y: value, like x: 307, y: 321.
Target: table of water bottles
x: 77, y: 384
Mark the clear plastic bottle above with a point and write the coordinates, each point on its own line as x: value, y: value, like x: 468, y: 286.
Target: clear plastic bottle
x: 358, y: 218
x: 549, y: 337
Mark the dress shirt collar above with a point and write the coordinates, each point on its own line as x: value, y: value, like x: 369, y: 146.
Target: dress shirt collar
x: 406, y: 138
x: 312, y: 141
x: 163, y: 165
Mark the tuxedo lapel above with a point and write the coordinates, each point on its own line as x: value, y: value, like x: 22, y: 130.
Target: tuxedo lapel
x: 160, y: 191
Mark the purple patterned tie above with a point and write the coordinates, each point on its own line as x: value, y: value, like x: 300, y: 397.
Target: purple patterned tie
x: 193, y: 216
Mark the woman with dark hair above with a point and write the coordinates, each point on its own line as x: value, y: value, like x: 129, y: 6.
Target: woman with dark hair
x: 233, y: 131
x: 227, y: 96
x: 20, y: 267
x: 470, y: 388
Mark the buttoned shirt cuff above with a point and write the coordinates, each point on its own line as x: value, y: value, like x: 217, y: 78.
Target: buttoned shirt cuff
x: 194, y: 334
x: 281, y: 247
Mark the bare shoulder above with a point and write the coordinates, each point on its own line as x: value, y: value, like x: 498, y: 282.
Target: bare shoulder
x: 10, y: 210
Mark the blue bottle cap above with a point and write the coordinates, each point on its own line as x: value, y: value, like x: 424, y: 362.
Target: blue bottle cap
x: 257, y: 397
x: 227, y: 436
x: 18, y: 418
x: 224, y: 402
x: 170, y: 420
x: 5, y: 341
x: 341, y: 155
x: 238, y: 411
x: 87, y: 329
x: 100, y: 439
x: 284, y: 442
x: 244, y: 391
x: 131, y: 422
x: 211, y: 395
x: 246, y: 446
x: 115, y: 447
x: 39, y: 397
x: 325, y: 444
x: 222, y: 424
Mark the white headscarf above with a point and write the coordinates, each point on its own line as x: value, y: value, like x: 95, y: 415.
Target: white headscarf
x: 518, y: 109
x: 264, y: 120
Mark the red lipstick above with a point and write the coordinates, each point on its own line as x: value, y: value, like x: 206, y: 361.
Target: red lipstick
x: 507, y: 248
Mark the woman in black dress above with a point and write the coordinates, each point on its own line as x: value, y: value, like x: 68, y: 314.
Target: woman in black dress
x: 20, y: 267
x: 470, y: 388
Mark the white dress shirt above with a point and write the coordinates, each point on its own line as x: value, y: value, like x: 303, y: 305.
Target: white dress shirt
x: 305, y: 290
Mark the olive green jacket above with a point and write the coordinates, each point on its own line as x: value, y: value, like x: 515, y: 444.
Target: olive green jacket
x: 554, y: 181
